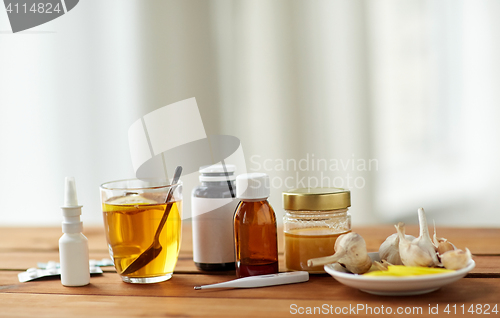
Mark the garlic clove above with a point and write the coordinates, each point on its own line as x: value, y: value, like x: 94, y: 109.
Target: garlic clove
x: 444, y: 246
x: 424, y: 239
x: 389, y: 249
x: 412, y: 254
x: 456, y: 259
x: 350, y: 251
x: 340, y: 252
x: 441, y: 244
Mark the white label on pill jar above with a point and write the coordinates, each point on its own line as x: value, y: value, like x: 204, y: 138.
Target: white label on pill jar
x: 213, y: 241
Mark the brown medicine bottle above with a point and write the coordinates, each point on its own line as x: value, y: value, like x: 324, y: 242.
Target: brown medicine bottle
x: 255, y: 235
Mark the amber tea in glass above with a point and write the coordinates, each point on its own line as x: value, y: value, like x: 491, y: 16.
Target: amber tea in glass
x: 132, y: 210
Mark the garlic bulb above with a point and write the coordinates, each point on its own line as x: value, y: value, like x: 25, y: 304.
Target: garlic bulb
x: 350, y: 251
x: 456, y: 259
x: 389, y: 250
x: 420, y: 251
x: 441, y: 244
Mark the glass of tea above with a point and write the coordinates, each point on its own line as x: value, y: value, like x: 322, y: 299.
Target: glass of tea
x: 132, y: 211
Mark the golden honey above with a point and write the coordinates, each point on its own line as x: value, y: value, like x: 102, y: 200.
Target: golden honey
x: 306, y: 243
x: 314, y: 219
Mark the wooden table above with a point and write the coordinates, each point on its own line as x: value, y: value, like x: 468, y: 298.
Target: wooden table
x: 108, y: 296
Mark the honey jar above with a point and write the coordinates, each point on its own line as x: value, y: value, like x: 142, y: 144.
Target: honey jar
x: 314, y: 218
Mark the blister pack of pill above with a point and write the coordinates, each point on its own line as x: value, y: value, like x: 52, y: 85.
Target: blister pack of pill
x: 51, y: 269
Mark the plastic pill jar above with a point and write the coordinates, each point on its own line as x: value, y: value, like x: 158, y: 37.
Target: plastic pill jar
x: 212, y: 208
x: 314, y: 218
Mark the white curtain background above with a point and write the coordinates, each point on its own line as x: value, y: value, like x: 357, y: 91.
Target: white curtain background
x: 409, y: 88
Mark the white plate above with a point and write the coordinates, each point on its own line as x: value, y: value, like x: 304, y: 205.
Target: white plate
x: 396, y: 286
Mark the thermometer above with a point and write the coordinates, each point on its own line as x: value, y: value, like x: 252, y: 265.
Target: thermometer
x: 262, y: 281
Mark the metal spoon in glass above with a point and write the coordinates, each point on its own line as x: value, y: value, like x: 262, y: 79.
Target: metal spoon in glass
x: 154, y: 250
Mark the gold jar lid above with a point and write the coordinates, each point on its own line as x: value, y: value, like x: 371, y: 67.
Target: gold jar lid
x: 316, y: 199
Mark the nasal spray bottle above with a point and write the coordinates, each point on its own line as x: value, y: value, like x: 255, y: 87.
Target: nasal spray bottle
x: 73, y: 245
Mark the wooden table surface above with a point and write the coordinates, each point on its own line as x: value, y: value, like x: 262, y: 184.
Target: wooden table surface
x: 108, y: 296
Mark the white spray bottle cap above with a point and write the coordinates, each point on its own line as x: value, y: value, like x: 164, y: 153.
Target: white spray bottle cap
x: 70, y: 198
x: 71, y: 209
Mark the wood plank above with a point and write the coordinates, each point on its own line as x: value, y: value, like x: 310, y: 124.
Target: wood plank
x: 478, y: 240
x: 23, y: 260
x: 47, y: 238
x: 55, y: 306
x: 107, y: 295
x: 63, y: 306
x: 486, y: 265
x: 32, y: 243
x: 319, y: 287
